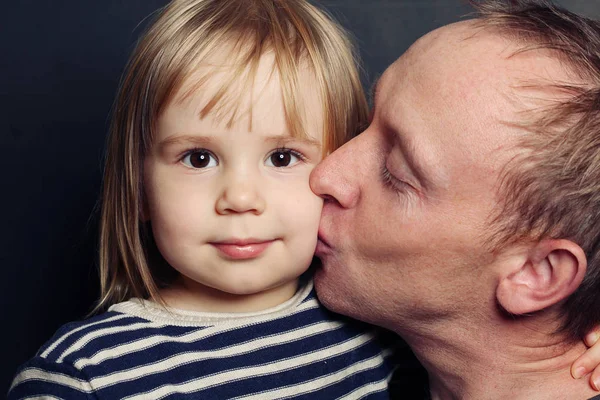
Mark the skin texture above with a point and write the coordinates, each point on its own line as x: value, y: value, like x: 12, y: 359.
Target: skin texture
x: 239, y: 192
x: 426, y: 229
x: 405, y: 224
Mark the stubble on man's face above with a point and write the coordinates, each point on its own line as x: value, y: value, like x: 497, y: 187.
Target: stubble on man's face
x: 411, y: 198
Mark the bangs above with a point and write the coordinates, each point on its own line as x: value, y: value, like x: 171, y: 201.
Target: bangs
x: 228, y: 78
x: 232, y: 47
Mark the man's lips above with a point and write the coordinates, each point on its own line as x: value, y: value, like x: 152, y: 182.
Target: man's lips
x: 323, y: 237
x: 322, y: 244
x: 242, y: 249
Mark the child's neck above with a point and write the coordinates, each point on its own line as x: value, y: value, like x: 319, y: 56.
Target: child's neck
x: 185, y: 294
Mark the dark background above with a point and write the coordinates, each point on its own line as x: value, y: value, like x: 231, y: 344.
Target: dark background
x: 60, y: 61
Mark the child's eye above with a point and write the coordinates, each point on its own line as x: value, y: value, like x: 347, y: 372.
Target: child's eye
x: 283, y: 158
x: 199, y: 159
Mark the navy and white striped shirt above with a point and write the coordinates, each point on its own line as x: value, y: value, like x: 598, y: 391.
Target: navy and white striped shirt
x: 140, y: 350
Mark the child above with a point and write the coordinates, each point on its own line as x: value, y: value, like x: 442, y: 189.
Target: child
x: 208, y: 220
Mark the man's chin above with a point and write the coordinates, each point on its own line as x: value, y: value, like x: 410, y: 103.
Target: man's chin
x: 325, y: 287
x: 335, y: 293
x: 330, y: 291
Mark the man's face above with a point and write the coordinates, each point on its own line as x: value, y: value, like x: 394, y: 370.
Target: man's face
x: 409, y: 201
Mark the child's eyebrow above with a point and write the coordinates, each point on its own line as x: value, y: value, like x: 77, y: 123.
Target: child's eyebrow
x: 286, y: 140
x: 207, y: 140
x: 184, y: 139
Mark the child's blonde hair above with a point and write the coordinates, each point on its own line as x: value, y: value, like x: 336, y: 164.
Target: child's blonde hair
x: 184, y: 33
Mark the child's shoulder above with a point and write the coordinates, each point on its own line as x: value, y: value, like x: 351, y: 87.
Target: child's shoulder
x: 97, y: 337
x: 57, y: 367
x: 77, y: 335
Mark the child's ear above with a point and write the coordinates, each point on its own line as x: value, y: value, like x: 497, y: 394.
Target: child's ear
x: 541, y: 276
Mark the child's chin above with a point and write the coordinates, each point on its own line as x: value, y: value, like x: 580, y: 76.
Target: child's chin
x: 245, y: 289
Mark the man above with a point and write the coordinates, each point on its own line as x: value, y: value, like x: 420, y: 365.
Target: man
x: 466, y: 218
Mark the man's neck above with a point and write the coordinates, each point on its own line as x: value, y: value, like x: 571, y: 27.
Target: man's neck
x: 467, y: 361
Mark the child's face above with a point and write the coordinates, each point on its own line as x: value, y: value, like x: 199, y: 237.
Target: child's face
x: 231, y: 209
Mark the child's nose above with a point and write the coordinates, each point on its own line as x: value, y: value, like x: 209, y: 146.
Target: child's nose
x: 240, y: 195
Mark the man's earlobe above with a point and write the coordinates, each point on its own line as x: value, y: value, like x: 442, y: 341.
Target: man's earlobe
x: 550, y: 271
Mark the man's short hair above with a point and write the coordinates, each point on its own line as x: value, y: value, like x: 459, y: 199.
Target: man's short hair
x: 552, y: 189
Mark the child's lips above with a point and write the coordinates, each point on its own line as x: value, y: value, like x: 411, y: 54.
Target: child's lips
x: 242, y: 249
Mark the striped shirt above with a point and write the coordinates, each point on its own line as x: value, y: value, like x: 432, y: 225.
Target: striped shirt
x: 140, y: 350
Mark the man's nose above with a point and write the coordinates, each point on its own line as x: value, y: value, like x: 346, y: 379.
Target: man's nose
x: 240, y: 194
x: 336, y: 177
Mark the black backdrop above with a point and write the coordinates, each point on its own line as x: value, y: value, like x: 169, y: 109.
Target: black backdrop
x: 60, y: 61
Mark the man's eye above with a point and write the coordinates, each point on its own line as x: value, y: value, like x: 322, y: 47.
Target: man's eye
x: 392, y: 182
x: 283, y: 158
x: 199, y: 159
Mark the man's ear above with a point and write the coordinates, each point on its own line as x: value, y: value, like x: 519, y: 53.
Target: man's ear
x: 547, y: 273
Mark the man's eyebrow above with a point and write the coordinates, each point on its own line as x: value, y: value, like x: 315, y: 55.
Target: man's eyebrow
x: 418, y: 163
x: 413, y: 151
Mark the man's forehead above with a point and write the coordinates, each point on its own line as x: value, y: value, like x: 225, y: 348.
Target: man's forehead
x: 464, y: 56
x: 435, y: 49
x: 442, y: 98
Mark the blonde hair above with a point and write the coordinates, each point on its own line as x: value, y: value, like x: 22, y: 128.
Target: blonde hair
x: 183, y: 34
